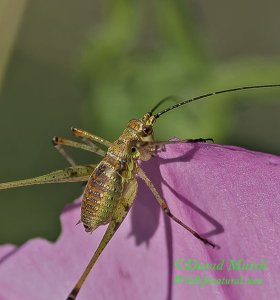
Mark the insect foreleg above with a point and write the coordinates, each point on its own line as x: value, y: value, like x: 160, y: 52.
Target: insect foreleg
x: 58, y: 142
x: 159, y: 144
x: 199, y: 140
x: 156, y: 146
x: 166, y: 209
x: 84, y: 134
x: 71, y: 174
x: 119, y: 215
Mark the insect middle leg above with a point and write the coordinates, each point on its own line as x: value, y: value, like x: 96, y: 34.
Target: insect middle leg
x: 166, y: 209
x: 59, y: 142
x: 86, y: 135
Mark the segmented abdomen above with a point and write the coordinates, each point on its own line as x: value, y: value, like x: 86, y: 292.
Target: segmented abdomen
x: 101, y: 195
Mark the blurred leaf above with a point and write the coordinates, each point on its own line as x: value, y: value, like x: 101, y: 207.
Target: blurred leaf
x: 144, y: 52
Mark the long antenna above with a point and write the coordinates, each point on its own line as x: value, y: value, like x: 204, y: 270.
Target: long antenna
x: 211, y: 94
x: 168, y: 98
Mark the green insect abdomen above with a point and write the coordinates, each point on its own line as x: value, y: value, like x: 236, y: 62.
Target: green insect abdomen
x: 101, y: 195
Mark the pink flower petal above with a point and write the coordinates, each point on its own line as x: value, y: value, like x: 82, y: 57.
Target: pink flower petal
x: 232, y: 195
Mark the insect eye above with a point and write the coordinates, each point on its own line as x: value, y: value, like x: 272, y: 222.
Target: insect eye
x: 147, y: 130
x: 133, y: 149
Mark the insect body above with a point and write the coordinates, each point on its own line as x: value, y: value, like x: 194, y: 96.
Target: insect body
x: 111, y: 178
x: 112, y: 184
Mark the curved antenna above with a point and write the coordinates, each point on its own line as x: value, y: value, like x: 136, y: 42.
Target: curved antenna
x: 168, y: 98
x: 212, y: 94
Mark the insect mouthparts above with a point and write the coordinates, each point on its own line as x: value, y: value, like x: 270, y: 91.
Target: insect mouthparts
x: 87, y: 228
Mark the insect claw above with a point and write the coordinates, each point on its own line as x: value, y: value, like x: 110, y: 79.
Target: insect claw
x: 211, y: 244
x: 79, y: 222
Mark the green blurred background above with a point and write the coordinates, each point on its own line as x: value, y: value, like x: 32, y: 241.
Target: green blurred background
x: 96, y: 64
